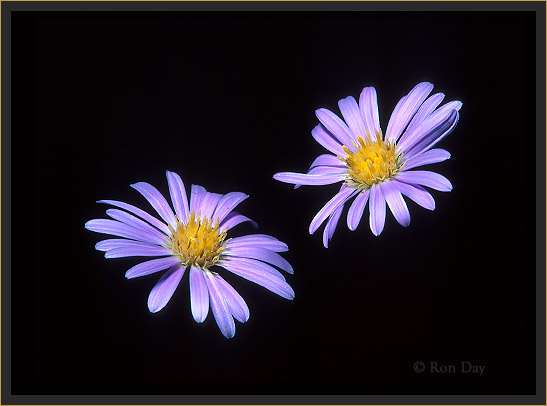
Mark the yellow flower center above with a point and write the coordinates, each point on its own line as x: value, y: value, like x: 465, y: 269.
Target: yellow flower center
x: 375, y: 161
x: 197, y: 242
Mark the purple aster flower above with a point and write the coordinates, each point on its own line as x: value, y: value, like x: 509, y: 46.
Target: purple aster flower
x: 374, y: 167
x: 194, y: 238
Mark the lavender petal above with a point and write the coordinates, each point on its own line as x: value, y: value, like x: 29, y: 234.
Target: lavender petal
x: 368, y: 104
x: 331, y: 225
x: 356, y: 209
x: 227, y: 203
x: 199, y: 294
x: 156, y: 199
x: 233, y: 219
x: 423, y: 112
x: 141, y: 213
x: 154, y: 265
x: 336, y: 126
x: 352, y: 116
x: 340, y: 198
x: 396, y: 203
x: 321, y: 135
x: 229, y: 262
x: 305, y: 179
x: 405, y: 111
x: 112, y: 227
x: 163, y: 290
x: 425, y: 178
x: 258, y: 240
x: 262, y: 254
x: 133, y: 221
x: 416, y: 193
x: 235, y: 302
x: 377, y: 210
x: 178, y: 195
x: 222, y: 314
x: 428, y: 157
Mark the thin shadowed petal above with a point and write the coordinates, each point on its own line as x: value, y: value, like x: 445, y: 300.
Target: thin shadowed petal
x: 144, y: 251
x: 432, y: 137
x: 156, y: 199
x: 331, y: 226
x: 196, y: 194
x: 133, y: 221
x: 327, y: 141
x: 425, y: 178
x: 229, y: 262
x: 141, y: 213
x: 344, y: 194
x: 209, y: 203
x: 106, y: 245
x: 178, y: 195
x: 356, y: 209
x: 262, y: 278
x: 235, y: 302
x: 423, y: 112
x: 304, y: 179
x: 163, y: 290
x: 368, y: 104
x: 377, y: 210
x: 396, y: 203
x: 154, y: 265
x: 416, y: 193
x: 113, y: 227
x: 233, y: 219
x: 227, y: 203
x: 222, y: 314
x: 262, y: 254
x: 327, y: 160
x: 431, y: 122
x: 322, y: 170
x: 258, y: 240
x: 199, y: 294
x: 405, y: 111
x: 352, y: 116
x: 428, y: 157
x: 336, y: 126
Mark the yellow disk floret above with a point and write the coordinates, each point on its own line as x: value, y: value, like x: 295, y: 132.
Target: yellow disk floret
x: 197, y: 242
x: 373, y: 162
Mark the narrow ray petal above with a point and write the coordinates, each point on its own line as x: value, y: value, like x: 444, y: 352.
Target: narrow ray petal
x: 404, y: 111
x: 423, y: 112
x: 327, y: 141
x: 137, y: 251
x: 227, y: 203
x: 113, y: 227
x: 222, y: 314
x: 263, y: 279
x: 428, y: 157
x: 156, y: 199
x: 368, y: 104
x: 133, y: 221
x: 426, y: 178
x: 258, y: 240
x: 396, y: 203
x: 330, y: 227
x: 342, y: 196
x: 377, y: 210
x: 141, y: 213
x: 356, y: 209
x: 106, y: 245
x: 251, y: 264
x: 433, y: 136
x: 304, y: 179
x: 209, y: 203
x: 327, y: 160
x: 199, y: 294
x: 352, y: 116
x: 416, y: 193
x: 196, y: 194
x: 154, y: 265
x: 262, y: 254
x: 233, y: 219
x: 178, y: 195
x: 235, y: 302
x: 163, y: 290
x: 336, y: 126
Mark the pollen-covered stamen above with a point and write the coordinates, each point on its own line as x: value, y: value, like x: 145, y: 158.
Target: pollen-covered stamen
x: 198, y: 241
x: 373, y: 162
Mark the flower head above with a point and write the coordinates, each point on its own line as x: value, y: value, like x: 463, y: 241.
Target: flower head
x: 374, y: 167
x: 194, y: 238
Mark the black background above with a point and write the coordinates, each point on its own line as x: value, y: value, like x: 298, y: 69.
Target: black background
x: 102, y: 100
